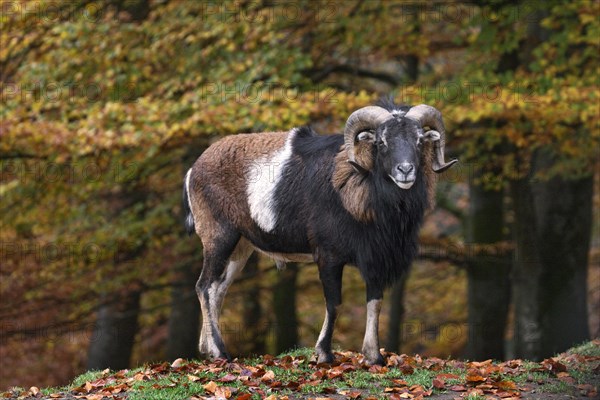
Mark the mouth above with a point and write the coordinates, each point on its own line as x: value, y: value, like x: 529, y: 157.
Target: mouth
x: 403, y: 184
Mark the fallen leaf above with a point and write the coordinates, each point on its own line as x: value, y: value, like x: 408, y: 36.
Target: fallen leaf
x: 447, y: 376
x: 406, y: 369
x: 193, y: 378
x: 228, y: 378
x: 210, y: 387
x: 552, y: 364
x: 34, y: 390
x: 268, y: 376
x: 224, y: 392
x: 479, y: 364
x: 506, y: 385
x: 438, y: 383
x: 392, y: 390
x: 177, y: 363
x: 377, y: 369
x: 139, y: 376
x: 350, y: 395
x: 475, y: 378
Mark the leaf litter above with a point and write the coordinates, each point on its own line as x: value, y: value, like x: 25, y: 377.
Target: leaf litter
x: 300, y: 377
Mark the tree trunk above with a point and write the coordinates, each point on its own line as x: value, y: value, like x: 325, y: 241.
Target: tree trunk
x: 564, y: 224
x: 114, y: 332
x: 184, y: 319
x: 526, y: 274
x: 552, y: 228
x: 284, y: 304
x: 488, y: 277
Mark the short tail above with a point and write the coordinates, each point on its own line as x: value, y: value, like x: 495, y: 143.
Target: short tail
x: 190, y: 226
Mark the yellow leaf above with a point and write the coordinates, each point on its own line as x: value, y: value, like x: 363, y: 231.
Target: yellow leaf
x: 210, y: 387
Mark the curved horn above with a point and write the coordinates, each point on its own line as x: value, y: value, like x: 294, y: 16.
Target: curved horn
x: 430, y: 116
x: 363, y: 119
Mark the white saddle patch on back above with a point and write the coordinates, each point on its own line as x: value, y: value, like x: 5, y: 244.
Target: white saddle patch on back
x: 262, y: 178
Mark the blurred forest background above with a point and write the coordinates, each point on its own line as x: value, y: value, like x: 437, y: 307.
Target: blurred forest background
x: 105, y: 104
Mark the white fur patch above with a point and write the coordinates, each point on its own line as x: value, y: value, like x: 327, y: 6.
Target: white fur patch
x: 398, y: 113
x: 190, y: 217
x: 263, y: 179
x: 384, y: 137
x: 371, y: 340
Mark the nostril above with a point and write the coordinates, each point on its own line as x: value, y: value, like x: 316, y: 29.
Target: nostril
x: 405, y: 168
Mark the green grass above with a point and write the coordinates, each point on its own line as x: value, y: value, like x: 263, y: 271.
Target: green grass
x: 171, y: 384
x: 475, y: 396
x: 555, y: 387
x: 589, y: 349
x: 147, y: 390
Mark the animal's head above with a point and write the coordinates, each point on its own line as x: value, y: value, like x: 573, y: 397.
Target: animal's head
x: 396, y: 141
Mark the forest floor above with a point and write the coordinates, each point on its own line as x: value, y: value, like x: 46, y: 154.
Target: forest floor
x: 574, y: 374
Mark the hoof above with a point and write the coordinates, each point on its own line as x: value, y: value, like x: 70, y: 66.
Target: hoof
x: 375, y: 359
x: 210, y: 353
x: 325, y: 358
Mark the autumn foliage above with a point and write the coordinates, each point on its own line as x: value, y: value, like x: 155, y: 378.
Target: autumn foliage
x: 105, y: 104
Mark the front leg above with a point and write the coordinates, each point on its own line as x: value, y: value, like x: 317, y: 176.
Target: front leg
x: 331, y: 279
x: 371, y: 341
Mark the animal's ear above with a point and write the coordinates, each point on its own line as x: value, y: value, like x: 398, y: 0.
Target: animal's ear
x: 358, y: 168
x: 431, y: 136
x: 366, y: 136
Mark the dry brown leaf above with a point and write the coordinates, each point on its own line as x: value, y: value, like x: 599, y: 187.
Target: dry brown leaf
x: 268, y: 376
x: 506, y: 385
x: 210, y: 387
x: 475, y: 378
x: 177, y: 363
x: 223, y: 392
x: 350, y: 394
x: 139, y: 376
x: 447, y: 376
x: 438, y: 383
x: 94, y: 397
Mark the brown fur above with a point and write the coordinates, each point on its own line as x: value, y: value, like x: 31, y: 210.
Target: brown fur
x: 363, y: 154
x: 349, y: 183
x: 220, y: 173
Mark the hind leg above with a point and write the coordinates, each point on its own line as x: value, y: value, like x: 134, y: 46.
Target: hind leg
x: 236, y: 262
x: 224, y: 258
